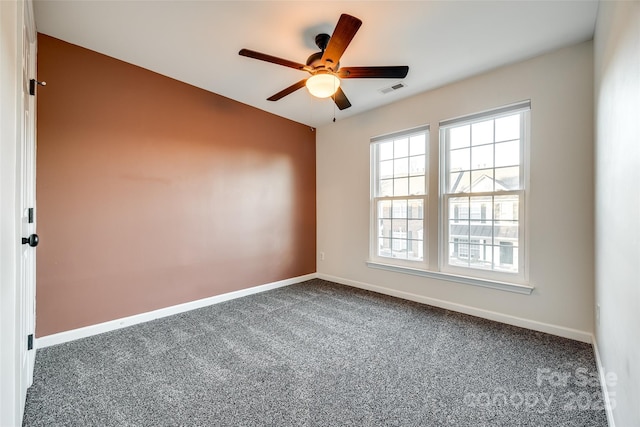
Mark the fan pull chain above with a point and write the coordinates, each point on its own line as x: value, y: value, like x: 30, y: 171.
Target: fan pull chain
x: 334, y: 101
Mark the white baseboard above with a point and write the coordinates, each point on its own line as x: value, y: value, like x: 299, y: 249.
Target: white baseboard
x: 603, y: 384
x: 112, y: 325
x: 561, y: 331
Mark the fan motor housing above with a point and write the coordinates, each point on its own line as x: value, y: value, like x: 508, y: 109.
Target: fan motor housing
x: 322, y: 40
x: 313, y: 61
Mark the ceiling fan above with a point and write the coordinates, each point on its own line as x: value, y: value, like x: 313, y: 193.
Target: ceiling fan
x: 324, y: 66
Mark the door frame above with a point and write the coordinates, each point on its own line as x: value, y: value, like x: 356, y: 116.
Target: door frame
x: 27, y: 279
x: 12, y: 18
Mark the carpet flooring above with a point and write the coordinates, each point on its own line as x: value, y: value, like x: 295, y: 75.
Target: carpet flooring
x: 317, y: 354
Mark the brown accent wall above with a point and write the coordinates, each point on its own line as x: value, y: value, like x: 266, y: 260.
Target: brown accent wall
x: 152, y: 192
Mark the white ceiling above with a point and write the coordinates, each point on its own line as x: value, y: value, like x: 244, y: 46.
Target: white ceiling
x: 197, y: 42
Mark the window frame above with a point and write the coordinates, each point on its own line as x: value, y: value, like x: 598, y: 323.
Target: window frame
x: 432, y: 263
x: 374, y: 179
x: 521, y: 277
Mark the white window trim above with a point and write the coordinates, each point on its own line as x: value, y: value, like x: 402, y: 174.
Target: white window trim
x: 373, y: 237
x: 525, y: 289
x: 517, y: 279
x: 504, y: 281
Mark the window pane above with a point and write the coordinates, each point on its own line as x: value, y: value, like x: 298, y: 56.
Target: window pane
x: 506, y: 207
x: 459, y: 182
x: 415, y: 250
x: 416, y: 165
x: 459, y: 137
x: 398, y: 233
x: 482, y: 180
x: 508, y: 128
x: 384, y: 209
x: 384, y: 247
x: 417, y: 144
x: 416, y: 185
x: 458, y: 230
x: 401, y: 167
x: 459, y: 208
x: 385, y: 150
x: 474, y: 251
x: 386, y: 169
x: 399, y: 208
x: 508, y: 153
x: 482, y: 208
x: 506, y: 230
x: 401, y: 148
x: 482, y: 133
x: 507, y: 256
x: 475, y: 260
x: 485, y: 255
x: 386, y: 188
x: 415, y: 209
x: 507, y: 178
x: 459, y: 160
x: 384, y: 228
x: 401, y: 186
x: 459, y: 254
x: 415, y: 229
x: 480, y: 231
x: 482, y: 157
x: 399, y: 248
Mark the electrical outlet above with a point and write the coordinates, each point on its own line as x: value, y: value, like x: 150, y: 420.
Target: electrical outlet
x: 321, y: 256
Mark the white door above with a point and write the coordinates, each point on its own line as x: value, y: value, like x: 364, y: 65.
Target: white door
x: 27, y: 268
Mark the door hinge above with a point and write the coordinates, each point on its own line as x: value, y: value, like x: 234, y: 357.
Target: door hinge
x: 30, y: 215
x: 30, y: 342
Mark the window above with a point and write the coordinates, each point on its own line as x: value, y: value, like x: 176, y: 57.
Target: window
x: 483, y: 174
x: 481, y: 179
x: 399, y: 197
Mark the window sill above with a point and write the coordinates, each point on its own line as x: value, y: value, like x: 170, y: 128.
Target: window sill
x: 493, y: 284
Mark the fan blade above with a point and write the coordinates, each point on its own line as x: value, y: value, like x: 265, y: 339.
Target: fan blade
x: 395, y: 72
x: 273, y: 59
x: 341, y: 99
x: 346, y: 29
x: 294, y: 87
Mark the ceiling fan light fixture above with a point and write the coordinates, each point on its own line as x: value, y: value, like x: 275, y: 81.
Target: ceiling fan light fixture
x: 324, y: 66
x: 323, y: 85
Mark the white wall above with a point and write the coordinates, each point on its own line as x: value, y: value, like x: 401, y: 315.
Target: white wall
x: 560, y: 86
x: 617, y: 194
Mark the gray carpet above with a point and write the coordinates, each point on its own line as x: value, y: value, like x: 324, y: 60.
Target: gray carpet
x: 317, y: 354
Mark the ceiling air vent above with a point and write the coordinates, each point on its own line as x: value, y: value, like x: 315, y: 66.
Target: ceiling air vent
x: 393, y: 88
